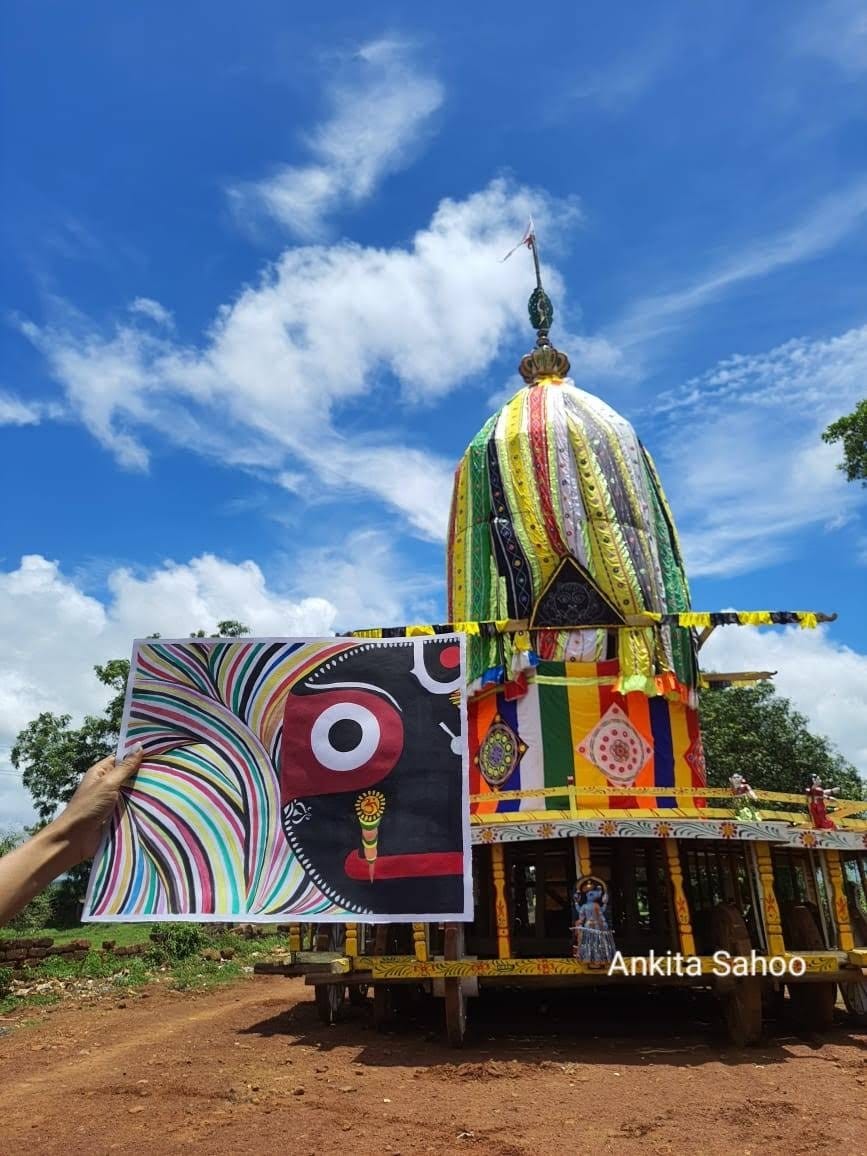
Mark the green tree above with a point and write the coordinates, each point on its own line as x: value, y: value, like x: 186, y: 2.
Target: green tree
x: 52, y: 755
x: 226, y: 628
x: 758, y: 733
x: 851, y: 430
x: 10, y: 838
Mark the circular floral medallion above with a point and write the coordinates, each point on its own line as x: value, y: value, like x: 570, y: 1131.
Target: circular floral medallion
x: 616, y: 748
x: 499, y: 753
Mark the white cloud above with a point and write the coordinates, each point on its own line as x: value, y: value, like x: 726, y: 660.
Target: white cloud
x: 826, y: 680
x: 836, y: 31
x: 378, y: 117
x: 52, y: 632
x: 147, y: 307
x: 820, y: 230
x: 741, y: 454
x: 16, y: 412
x: 324, y: 327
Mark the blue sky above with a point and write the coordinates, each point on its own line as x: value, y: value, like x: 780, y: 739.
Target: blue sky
x: 252, y: 308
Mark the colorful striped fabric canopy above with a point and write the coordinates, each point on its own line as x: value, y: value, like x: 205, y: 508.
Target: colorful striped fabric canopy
x: 559, y: 518
x: 558, y: 506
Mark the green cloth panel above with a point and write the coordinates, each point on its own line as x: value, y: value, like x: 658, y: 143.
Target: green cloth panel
x: 559, y: 762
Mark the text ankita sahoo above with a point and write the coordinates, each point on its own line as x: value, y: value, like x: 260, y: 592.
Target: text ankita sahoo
x: 724, y: 964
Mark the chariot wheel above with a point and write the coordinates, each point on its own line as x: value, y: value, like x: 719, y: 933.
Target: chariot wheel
x: 742, y: 1002
x: 330, y: 998
x: 811, y: 1004
x: 455, y: 998
x: 358, y: 994
x: 456, y: 1012
x: 383, y: 1006
x: 855, y: 999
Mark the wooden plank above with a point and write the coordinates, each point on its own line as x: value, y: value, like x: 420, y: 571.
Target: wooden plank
x: 705, y: 635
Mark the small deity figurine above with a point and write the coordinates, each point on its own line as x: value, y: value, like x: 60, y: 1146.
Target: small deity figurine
x: 593, y: 941
x: 744, y: 798
x: 816, y: 796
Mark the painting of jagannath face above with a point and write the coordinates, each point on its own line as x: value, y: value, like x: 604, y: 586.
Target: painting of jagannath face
x: 292, y: 778
x: 371, y: 774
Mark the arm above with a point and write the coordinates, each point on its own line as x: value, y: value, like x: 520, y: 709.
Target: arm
x: 73, y: 836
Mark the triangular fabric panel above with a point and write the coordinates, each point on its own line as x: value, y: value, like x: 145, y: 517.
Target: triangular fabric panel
x: 572, y: 598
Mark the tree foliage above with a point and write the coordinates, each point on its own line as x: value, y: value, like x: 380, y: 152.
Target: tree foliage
x: 10, y: 838
x: 756, y: 732
x: 226, y: 628
x: 851, y: 430
x: 52, y: 755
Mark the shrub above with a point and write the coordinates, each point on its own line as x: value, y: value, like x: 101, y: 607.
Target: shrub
x: 173, y: 941
x: 67, y: 899
x: 36, y: 915
x: 6, y: 974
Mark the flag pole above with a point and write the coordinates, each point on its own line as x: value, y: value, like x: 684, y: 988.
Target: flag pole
x: 534, y: 248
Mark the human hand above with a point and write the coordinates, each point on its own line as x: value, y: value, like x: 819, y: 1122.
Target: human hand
x: 94, y: 801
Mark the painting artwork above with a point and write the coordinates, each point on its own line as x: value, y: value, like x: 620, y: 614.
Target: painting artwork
x: 292, y: 779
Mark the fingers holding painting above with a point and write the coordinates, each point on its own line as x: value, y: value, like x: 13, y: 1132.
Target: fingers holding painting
x: 96, y: 797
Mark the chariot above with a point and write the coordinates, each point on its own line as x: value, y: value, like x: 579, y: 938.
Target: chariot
x: 586, y: 761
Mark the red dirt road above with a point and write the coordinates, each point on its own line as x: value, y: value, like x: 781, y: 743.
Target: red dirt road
x: 249, y: 1069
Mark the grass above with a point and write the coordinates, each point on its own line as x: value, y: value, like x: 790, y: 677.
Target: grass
x: 198, y: 973
x: 123, y: 934
x: 12, y: 1003
x: 186, y: 973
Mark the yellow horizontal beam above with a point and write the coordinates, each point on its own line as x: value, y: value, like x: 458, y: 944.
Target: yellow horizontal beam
x: 407, y: 967
x: 839, y: 805
x: 842, y: 809
x: 496, y: 819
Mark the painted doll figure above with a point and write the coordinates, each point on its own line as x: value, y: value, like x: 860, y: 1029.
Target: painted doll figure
x: 745, y: 799
x: 816, y: 796
x: 593, y: 941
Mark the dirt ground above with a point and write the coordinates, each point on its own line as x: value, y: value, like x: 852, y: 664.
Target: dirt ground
x: 250, y: 1069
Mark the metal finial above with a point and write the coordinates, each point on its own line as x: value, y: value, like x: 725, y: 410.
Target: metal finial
x: 545, y: 360
x: 539, y: 306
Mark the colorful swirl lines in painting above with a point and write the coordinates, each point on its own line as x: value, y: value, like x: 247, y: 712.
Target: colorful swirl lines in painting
x: 199, y: 830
